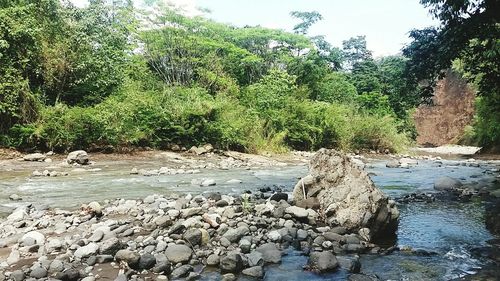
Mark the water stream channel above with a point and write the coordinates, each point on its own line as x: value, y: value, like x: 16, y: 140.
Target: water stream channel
x: 447, y: 231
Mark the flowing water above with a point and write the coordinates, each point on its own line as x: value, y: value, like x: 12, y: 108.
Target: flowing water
x: 446, y: 230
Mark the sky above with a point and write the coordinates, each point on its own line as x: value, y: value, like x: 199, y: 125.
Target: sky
x: 385, y: 23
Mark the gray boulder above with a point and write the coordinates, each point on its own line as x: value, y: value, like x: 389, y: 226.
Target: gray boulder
x: 232, y: 262
x: 86, y: 251
x: 447, y: 184
x: 270, y: 253
x: 34, y: 157
x: 322, y: 262
x: 178, y: 253
x: 254, y: 271
x: 78, y: 156
x: 131, y: 258
x: 347, y: 195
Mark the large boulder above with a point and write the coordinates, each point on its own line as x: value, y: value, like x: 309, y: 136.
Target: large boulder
x: 346, y: 195
x: 78, y: 156
x: 322, y: 262
x: 447, y: 184
x: 34, y: 157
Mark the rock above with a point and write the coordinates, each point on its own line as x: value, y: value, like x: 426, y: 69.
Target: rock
x: 322, y: 262
x: 207, y: 148
x: 33, y: 236
x: 234, y: 234
x: 270, y: 253
x: 279, y: 196
x: 86, y: 251
x: 232, y: 262
x: 245, y: 245
x: 68, y: 275
x: 446, y: 184
x: 17, y: 275
x: 147, y: 261
x: 208, y: 182
x: 346, y: 195
x: 181, y: 271
x: 255, y: 259
x: 221, y: 203
x: 110, y: 246
x: 34, y: 157
x: 350, y: 264
x: 94, y: 209
x: 302, y: 234
x: 254, y: 271
x: 18, y: 215
x: 131, y: 258
x: 13, y: 257
x: 274, y: 236
x: 96, y: 236
x: 297, y: 212
x: 213, y: 260
x: 79, y: 156
x: 56, y: 266
x: 163, y: 265
x: 234, y: 181
x: 228, y: 277
x: 54, y: 244
x: 392, y: 164
x: 38, y: 272
x: 15, y: 197
x: 193, y: 236
x: 178, y: 253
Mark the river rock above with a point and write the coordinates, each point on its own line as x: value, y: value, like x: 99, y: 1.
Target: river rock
x: 15, y: 197
x: 17, y: 275
x: 232, y: 262
x: 297, y: 212
x: 38, y: 272
x: 34, y: 157
x: 193, y: 236
x: 322, y: 262
x: 347, y: 195
x: 181, y: 271
x: 130, y: 257
x: 32, y: 238
x: 234, y: 234
x: 86, y: 251
x: 147, y: 261
x: 447, y: 184
x: 110, y: 246
x: 178, y: 253
x: 254, y: 271
x: 270, y: 253
x: 78, y: 156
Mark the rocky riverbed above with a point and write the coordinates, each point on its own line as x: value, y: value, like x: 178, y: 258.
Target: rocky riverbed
x: 250, y: 229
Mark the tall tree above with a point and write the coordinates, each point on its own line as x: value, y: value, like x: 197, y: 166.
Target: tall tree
x: 355, y: 51
x: 307, y: 18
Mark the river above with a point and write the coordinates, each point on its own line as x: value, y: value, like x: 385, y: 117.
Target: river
x: 446, y: 231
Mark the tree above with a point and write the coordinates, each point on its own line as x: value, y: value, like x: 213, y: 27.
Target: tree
x: 355, y: 51
x: 469, y: 31
x: 307, y: 18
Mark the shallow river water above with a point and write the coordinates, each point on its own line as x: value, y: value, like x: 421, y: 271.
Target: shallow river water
x: 448, y: 229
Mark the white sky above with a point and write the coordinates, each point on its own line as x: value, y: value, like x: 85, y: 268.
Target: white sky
x: 385, y: 23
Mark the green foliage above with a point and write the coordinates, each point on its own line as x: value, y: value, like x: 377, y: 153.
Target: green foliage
x: 469, y: 32
x: 375, y: 103
x: 336, y: 88
x: 307, y: 18
x: 76, y: 78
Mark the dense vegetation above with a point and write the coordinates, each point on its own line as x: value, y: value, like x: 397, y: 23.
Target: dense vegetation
x: 110, y: 74
x: 468, y: 41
